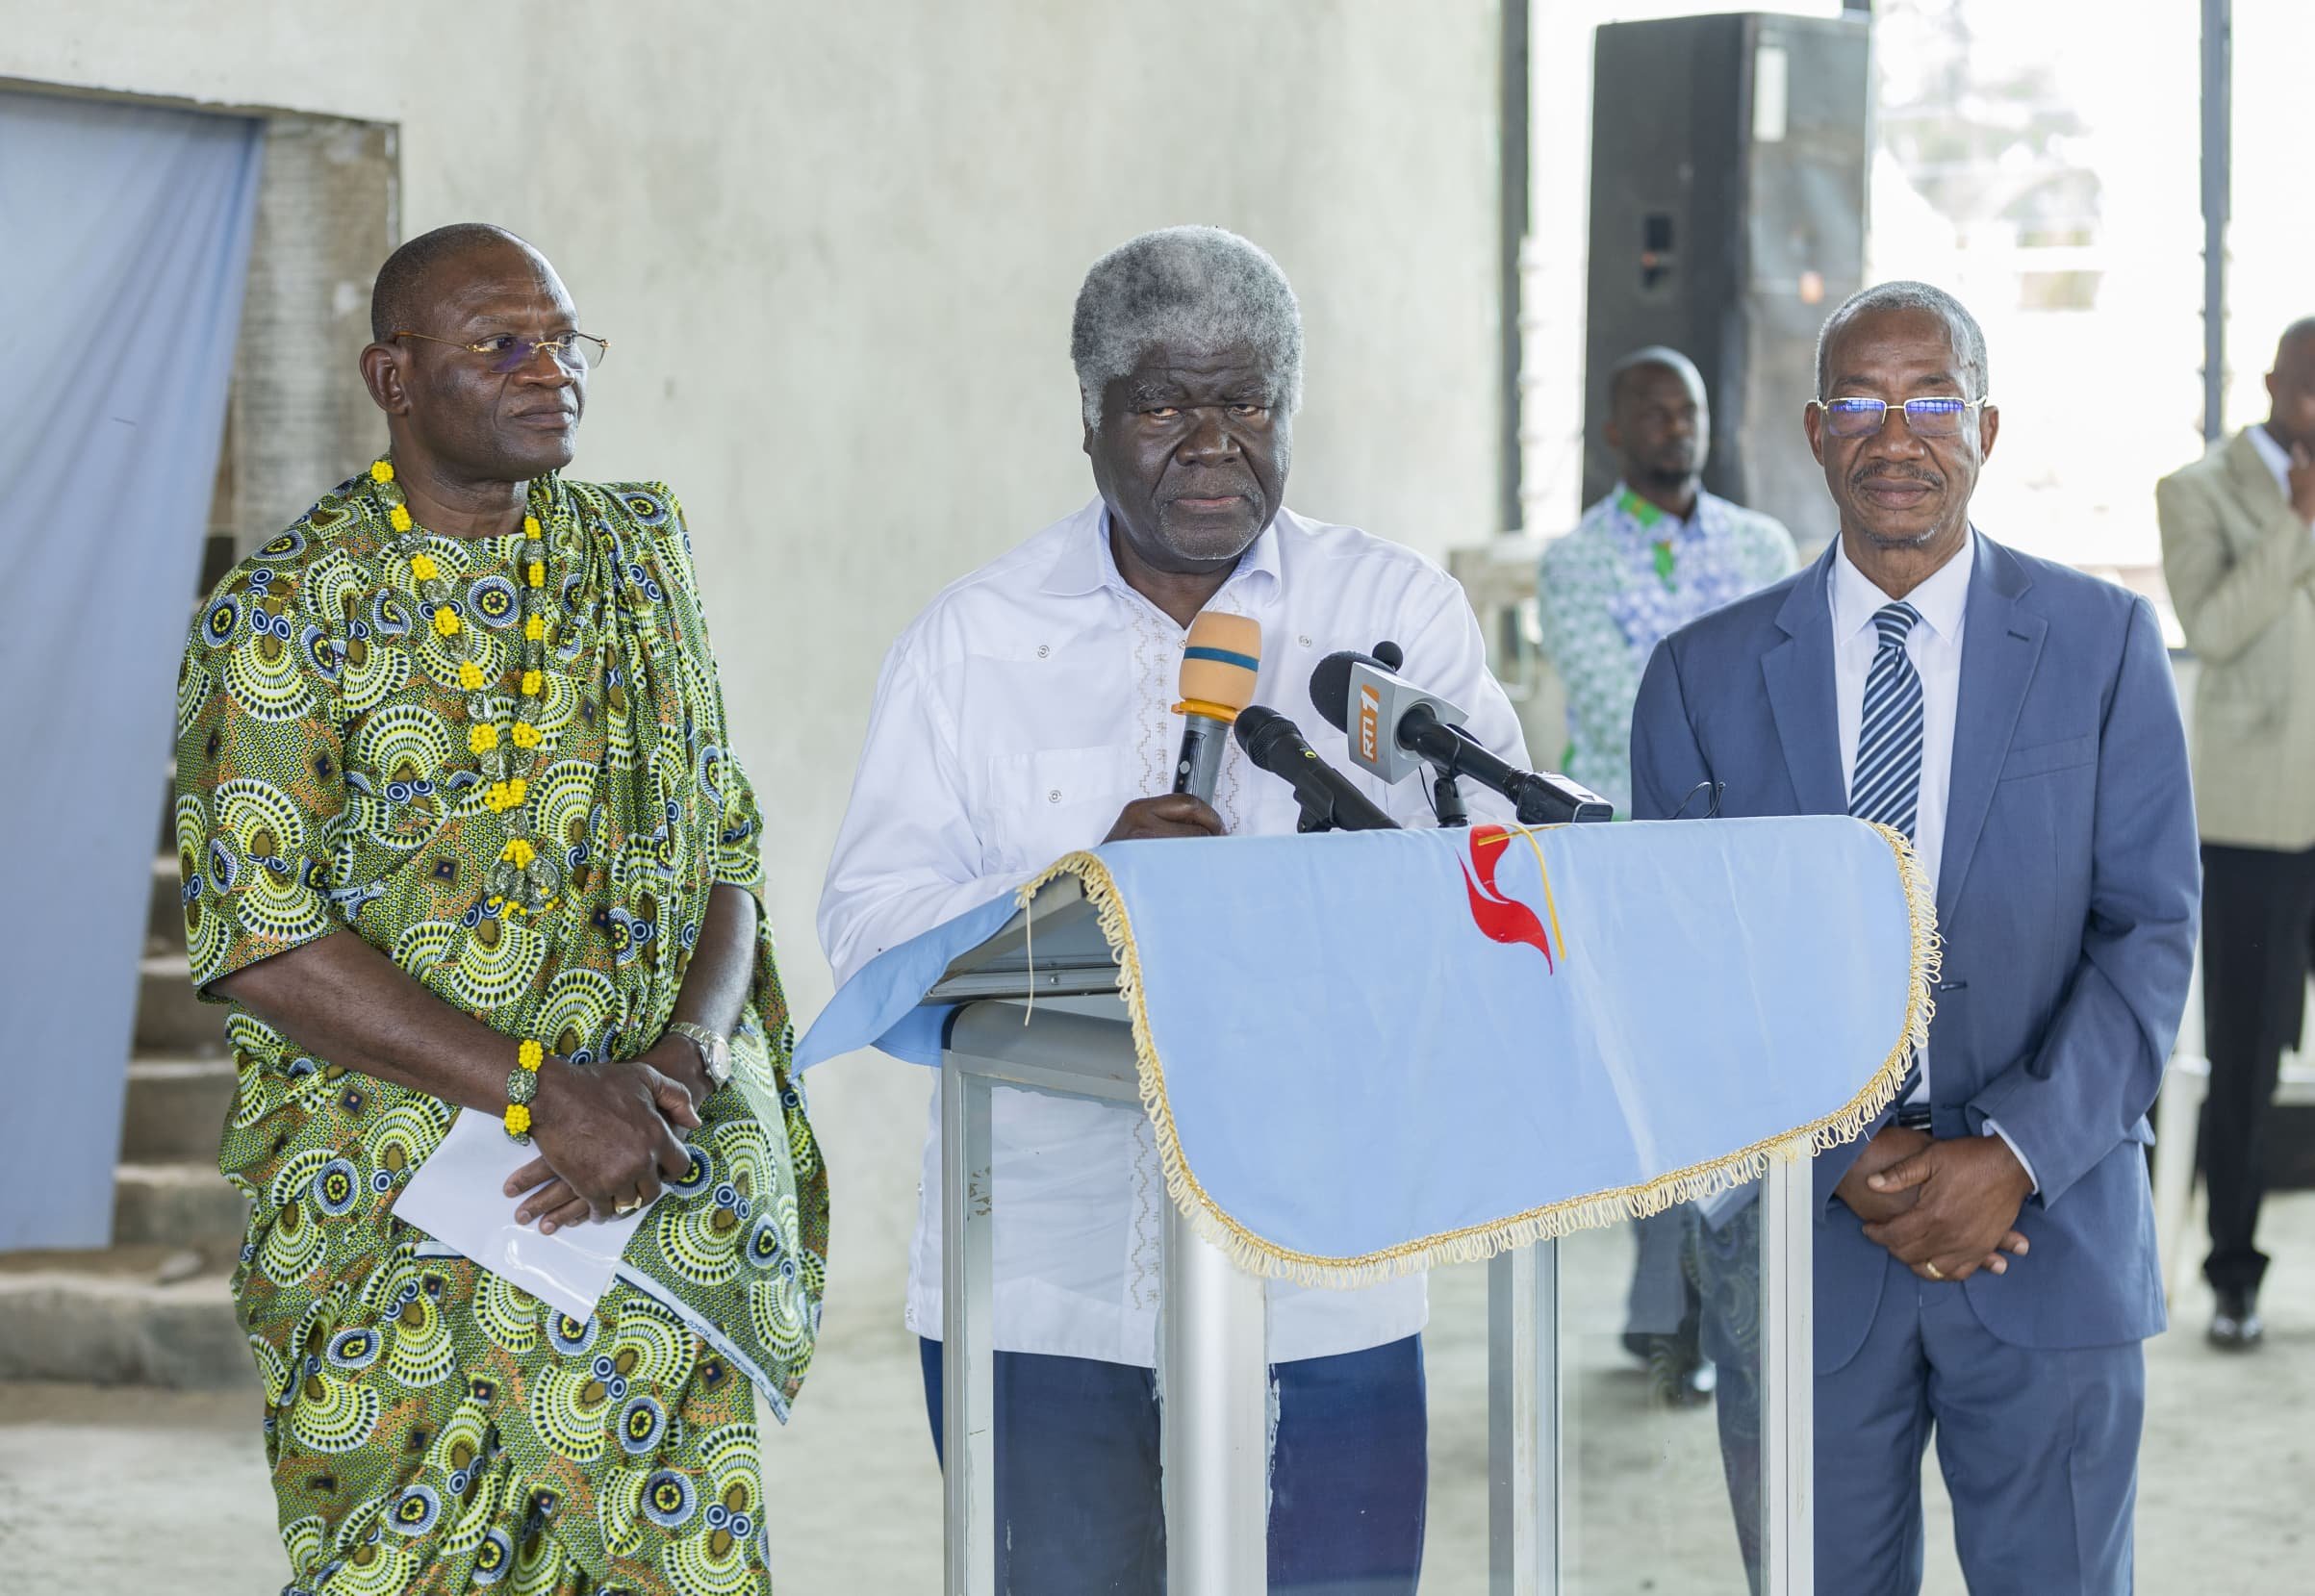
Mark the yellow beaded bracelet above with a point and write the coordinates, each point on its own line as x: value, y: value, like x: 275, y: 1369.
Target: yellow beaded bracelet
x: 523, y: 1089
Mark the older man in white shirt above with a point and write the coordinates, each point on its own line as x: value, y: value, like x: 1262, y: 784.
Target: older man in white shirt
x: 1028, y: 712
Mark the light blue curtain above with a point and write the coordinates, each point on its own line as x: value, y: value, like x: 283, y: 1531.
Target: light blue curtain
x: 124, y: 246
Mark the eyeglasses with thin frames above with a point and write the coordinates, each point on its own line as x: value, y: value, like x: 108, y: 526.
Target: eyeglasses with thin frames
x: 508, y: 352
x: 1939, y: 417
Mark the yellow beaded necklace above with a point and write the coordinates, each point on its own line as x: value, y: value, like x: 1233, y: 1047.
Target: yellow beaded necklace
x: 525, y: 879
x: 522, y: 880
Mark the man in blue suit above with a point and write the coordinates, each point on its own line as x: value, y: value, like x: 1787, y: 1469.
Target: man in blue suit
x: 1985, y: 1267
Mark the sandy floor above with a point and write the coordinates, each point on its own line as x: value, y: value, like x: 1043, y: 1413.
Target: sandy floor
x: 117, y: 1493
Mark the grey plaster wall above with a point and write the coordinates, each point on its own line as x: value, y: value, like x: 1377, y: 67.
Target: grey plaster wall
x: 301, y: 418
x: 835, y: 249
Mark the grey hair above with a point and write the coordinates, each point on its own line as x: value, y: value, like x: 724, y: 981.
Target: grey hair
x: 1968, y: 338
x: 1191, y: 287
x: 1654, y: 355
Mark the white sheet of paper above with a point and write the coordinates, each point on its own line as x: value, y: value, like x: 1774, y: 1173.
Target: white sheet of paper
x: 458, y: 1196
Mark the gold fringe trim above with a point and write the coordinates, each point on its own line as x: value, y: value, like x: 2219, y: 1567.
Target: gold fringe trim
x: 1477, y: 1243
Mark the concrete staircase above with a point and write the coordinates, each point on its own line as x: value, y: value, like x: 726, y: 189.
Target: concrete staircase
x: 153, y: 1309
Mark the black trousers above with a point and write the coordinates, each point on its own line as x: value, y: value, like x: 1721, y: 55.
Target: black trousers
x: 2258, y: 930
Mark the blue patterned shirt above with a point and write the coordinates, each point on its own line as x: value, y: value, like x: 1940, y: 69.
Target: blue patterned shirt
x: 1610, y: 590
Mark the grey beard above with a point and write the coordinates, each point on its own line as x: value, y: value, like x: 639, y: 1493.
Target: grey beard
x: 1889, y: 544
x: 1920, y: 541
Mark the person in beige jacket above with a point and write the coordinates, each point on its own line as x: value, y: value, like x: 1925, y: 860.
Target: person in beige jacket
x: 2238, y: 549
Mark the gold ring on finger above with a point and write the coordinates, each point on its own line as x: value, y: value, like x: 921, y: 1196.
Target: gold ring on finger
x: 626, y: 1207
x: 1933, y: 1272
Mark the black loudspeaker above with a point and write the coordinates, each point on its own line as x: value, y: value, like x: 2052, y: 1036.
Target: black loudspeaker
x: 1729, y: 159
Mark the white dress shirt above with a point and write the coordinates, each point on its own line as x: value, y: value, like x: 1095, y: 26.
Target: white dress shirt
x: 1028, y: 704
x: 2277, y: 461
x: 1934, y: 646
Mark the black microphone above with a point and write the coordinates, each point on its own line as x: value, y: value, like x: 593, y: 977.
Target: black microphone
x: 1394, y: 715
x: 1329, y: 800
x: 1331, y: 680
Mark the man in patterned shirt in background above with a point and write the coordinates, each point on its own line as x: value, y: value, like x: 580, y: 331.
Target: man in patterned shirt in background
x: 1655, y: 554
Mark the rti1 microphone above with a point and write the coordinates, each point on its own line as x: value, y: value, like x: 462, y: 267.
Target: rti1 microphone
x: 1395, y: 728
x: 1329, y: 800
x: 1219, y: 664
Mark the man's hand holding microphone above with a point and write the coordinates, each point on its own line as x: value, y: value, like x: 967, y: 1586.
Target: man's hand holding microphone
x: 1219, y: 664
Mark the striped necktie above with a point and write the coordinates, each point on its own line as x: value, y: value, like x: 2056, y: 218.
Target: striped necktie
x: 1885, y: 785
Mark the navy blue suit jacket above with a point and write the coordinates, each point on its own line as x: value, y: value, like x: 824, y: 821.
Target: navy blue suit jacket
x: 2067, y: 901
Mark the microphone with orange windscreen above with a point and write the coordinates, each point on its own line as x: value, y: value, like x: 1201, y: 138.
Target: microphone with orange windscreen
x: 1219, y: 664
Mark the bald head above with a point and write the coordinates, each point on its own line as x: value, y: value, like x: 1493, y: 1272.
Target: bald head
x: 403, y: 294
x: 1656, y: 357
x: 2291, y: 387
x: 465, y: 317
x: 1659, y: 425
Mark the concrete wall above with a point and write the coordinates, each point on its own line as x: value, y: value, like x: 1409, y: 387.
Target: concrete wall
x: 835, y: 249
x: 326, y: 219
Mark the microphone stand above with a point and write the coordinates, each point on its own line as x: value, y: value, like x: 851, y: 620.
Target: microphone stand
x: 1318, y: 815
x: 1446, y: 805
x: 1446, y: 800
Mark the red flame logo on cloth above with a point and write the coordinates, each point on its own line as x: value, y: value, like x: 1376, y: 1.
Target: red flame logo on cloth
x: 1501, y: 918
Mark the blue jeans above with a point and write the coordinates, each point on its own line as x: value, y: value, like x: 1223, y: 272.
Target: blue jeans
x: 1078, y: 1502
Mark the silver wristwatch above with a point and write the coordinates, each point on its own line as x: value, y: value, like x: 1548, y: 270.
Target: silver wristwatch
x: 715, y: 1051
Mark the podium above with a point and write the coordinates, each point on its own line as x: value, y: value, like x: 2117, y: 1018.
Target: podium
x: 1036, y: 1007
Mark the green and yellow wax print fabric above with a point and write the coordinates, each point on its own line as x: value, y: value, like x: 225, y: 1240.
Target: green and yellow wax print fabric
x: 429, y: 1426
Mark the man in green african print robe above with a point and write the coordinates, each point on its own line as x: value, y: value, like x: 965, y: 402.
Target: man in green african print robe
x: 459, y: 828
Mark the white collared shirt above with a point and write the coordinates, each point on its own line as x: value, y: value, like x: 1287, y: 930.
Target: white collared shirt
x: 1014, y: 719
x: 1934, y: 646
x: 2278, y: 460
